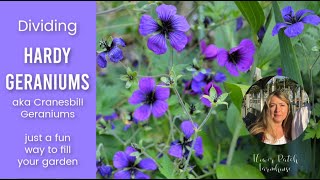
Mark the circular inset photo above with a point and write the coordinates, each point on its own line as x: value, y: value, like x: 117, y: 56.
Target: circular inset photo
x: 276, y: 110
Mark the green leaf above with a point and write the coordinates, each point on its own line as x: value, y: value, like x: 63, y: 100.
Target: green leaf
x: 223, y: 97
x: 213, y: 93
x: 225, y: 103
x: 129, y: 70
x: 236, y: 91
x: 253, y: 13
x: 288, y: 58
x: 165, y: 80
x: 310, y: 133
x: 167, y: 167
x: 238, y: 172
x: 128, y: 84
x: 109, y: 41
x: 124, y: 78
x: 208, y: 97
x: 233, y: 119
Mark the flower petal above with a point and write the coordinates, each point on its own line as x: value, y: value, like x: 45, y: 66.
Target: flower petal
x: 176, y: 151
x: 287, y: 13
x: 101, y: 59
x: 162, y: 93
x: 124, y: 174
x: 159, y: 108
x: 147, y: 25
x: 180, y: 23
x: 277, y: 27
x: 119, y: 42
x: 211, y: 52
x: 142, y: 113
x: 239, y: 23
x: 140, y: 175
x: 205, y: 101
x: 219, y: 77
x: 199, y: 77
x: 187, y: 128
x: 311, y: 19
x: 166, y: 11
x: 105, y: 170
x: 120, y: 160
x: 147, y: 164
x: 247, y: 47
x: 294, y: 30
x: 128, y: 151
x: 137, y: 97
x: 198, y: 147
x: 147, y: 85
x: 157, y: 44
x: 178, y: 40
x: 197, y: 86
x: 301, y: 12
x: 115, y: 54
x: 222, y: 57
x: 232, y: 69
x: 203, y: 46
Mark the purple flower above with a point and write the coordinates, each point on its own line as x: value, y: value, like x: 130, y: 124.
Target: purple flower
x: 103, y: 170
x: 205, y: 101
x: 113, y: 52
x: 152, y: 97
x: 261, y: 33
x: 239, y: 23
x: 98, y: 116
x: 279, y: 71
x: 172, y: 27
x: 128, y: 167
x: 209, y: 52
x: 294, y: 23
x: 111, y: 118
x: 238, y: 58
x: 220, y: 77
x: 180, y: 149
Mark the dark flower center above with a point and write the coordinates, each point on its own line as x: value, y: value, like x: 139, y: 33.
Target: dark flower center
x: 292, y: 19
x: 104, y: 44
x: 150, y: 98
x: 166, y: 27
x: 234, y: 57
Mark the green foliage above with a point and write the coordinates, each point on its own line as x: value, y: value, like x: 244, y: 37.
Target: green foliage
x: 253, y: 13
x: 238, y: 172
x: 167, y: 167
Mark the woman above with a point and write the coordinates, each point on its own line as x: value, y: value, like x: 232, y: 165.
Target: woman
x: 274, y: 124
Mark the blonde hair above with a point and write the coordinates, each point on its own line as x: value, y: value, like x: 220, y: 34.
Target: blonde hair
x: 262, y: 125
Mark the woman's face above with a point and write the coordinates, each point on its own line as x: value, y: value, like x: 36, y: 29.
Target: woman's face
x: 278, y: 109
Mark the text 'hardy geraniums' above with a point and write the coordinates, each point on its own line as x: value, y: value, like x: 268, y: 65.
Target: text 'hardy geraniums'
x: 172, y: 27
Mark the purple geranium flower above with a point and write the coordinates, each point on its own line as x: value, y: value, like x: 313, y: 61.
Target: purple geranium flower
x: 152, y: 97
x: 219, y: 77
x: 205, y: 101
x: 180, y: 149
x: 202, y: 79
x: 113, y: 52
x: 239, y: 23
x: 238, y: 58
x: 279, y: 71
x: 209, y: 52
x: 127, y: 166
x: 111, y: 118
x: 103, y: 170
x: 294, y: 23
x: 172, y: 27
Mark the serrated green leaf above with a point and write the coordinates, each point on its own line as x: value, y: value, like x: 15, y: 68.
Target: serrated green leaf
x: 222, y: 97
x: 213, y: 93
x: 167, y: 167
x: 289, y: 61
x: 238, y: 172
x: 310, y: 133
x: 253, y: 13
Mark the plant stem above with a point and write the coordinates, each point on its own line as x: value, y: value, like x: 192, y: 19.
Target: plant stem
x: 134, y: 134
x: 233, y: 143
x: 205, y: 175
x: 186, y: 164
x: 118, y: 138
x: 206, y: 119
x: 182, y: 104
x: 119, y: 8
